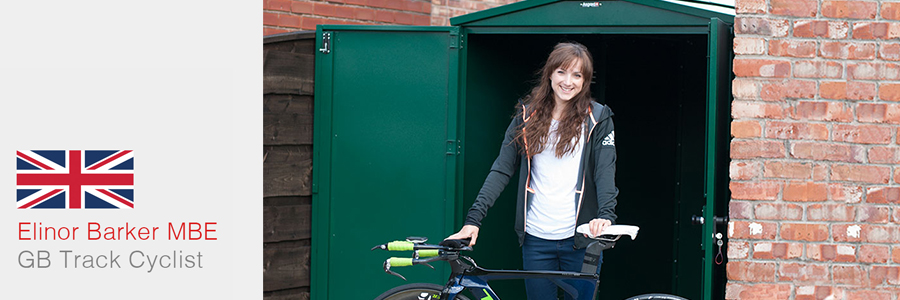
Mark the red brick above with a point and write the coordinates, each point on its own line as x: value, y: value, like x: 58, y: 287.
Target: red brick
x: 895, y: 254
x: 792, y: 48
x: 883, y: 195
x: 794, y: 170
x: 830, y: 212
x: 384, y: 16
x: 848, y: 232
x: 361, y: 13
x: 868, y: 294
x: 889, y: 92
x: 743, y: 88
x: 820, y: 173
x: 804, y: 232
x: 738, y: 209
x: 769, y: 250
x: 280, y: 5
x: 738, y: 249
x: 422, y: 20
x: 872, y: 30
x: 271, y: 31
x: 759, y: 291
x: 852, y: 90
x: 761, y: 68
x: 883, y: 275
x: 779, y: 90
x: 847, y: 193
x: 874, y: 214
x: 778, y: 211
x: 804, y: 272
x: 897, y: 175
x: 818, y: 293
x: 751, y: 271
x: 311, y: 22
x: 850, y: 50
x: 889, y: 51
x: 895, y: 216
x: 746, y: 129
x: 752, y: 109
x: 796, y: 130
x: 890, y: 10
x: 752, y: 230
x: 874, y: 253
x: 270, y: 19
x: 818, y: 69
x: 818, y: 28
x: 756, y: 149
x: 881, y: 234
x: 740, y: 170
x: 850, y: 275
x: 826, y: 151
x: 749, y: 45
x: 884, y: 155
x: 827, y: 252
x: 750, y: 6
x: 867, y: 70
x: 403, y: 18
x: 849, y: 9
x: 761, y: 26
x: 805, y: 191
x: 285, y: 20
x: 861, y: 173
x: 878, y: 113
x: 762, y: 190
x: 861, y: 134
x: 302, y: 7
x: 794, y: 8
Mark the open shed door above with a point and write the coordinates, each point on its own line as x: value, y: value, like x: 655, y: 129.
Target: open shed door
x: 385, y: 152
x: 717, y: 155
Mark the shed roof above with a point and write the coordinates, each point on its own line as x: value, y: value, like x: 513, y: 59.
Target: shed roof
x: 598, y: 13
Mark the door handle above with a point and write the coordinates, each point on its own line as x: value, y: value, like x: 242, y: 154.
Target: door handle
x: 699, y: 220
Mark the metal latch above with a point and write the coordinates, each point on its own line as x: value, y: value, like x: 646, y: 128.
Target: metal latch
x: 452, y: 147
x: 326, y: 43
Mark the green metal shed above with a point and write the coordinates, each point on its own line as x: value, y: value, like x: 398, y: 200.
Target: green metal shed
x: 409, y: 119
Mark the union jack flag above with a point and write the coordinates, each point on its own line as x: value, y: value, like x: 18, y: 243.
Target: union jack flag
x: 74, y: 179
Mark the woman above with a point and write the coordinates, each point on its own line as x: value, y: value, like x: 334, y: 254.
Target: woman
x: 564, y: 144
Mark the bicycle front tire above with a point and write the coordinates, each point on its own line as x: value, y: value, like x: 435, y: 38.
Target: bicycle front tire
x: 415, y: 291
x: 656, y: 297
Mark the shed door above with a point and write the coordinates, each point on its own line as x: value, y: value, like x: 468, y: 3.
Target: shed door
x: 384, y: 153
x: 717, y: 156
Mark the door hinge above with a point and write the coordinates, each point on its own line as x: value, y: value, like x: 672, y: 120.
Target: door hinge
x: 455, y: 39
x: 453, y: 147
x: 326, y: 43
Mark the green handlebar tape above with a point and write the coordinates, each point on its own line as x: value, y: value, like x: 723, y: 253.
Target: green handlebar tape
x: 400, y: 246
x: 401, y: 262
x: 428, y: 253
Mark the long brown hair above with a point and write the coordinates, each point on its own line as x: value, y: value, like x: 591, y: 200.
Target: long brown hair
x: 541, y: 104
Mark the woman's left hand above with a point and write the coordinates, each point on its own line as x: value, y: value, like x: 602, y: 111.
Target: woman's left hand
x: 598, y: 225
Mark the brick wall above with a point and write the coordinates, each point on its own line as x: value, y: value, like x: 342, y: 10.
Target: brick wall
x: 293, y: 15
x: 815, y: 176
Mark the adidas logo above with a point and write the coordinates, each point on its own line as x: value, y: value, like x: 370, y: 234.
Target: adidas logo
x: 610, y: 140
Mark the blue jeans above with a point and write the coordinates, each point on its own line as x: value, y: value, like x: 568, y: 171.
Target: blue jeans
x: 547, y: 255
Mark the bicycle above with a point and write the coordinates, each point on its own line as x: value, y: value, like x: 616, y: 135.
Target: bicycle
x: 465, y: 274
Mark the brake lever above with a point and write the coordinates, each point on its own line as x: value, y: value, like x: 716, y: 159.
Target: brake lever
x: 387, y: 269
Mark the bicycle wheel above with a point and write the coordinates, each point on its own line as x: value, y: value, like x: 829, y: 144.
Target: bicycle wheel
x: 656, y: 297
x: 415, y: 291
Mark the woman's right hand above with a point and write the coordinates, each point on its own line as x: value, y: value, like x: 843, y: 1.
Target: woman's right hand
x: 467, y: 231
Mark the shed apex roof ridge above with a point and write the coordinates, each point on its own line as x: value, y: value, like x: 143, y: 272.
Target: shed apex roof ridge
x: 724, y: 9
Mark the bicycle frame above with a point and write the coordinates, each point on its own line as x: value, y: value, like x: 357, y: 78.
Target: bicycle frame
x: 474, y: 278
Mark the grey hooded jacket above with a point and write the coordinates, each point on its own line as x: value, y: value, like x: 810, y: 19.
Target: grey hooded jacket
x: 596, y: 187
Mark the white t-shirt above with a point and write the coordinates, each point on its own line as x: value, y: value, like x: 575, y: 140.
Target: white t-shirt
x: 551, y: 214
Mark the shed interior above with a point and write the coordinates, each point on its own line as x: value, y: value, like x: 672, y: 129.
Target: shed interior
x: 656, y: 86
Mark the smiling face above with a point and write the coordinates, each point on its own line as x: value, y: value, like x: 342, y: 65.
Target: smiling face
x: 567, y: 81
